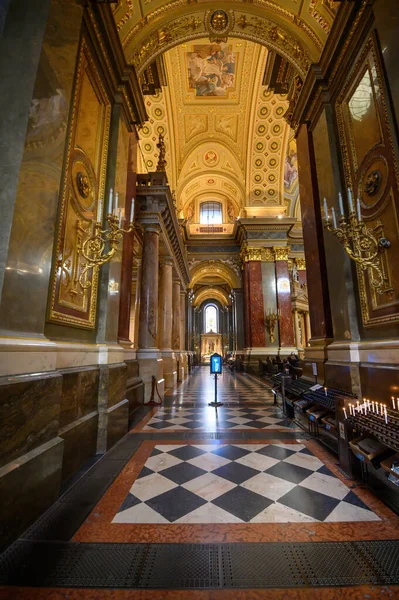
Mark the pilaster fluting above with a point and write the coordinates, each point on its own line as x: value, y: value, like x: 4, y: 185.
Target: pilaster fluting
x: 148, y: 321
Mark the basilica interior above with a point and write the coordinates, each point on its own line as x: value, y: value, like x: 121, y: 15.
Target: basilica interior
x: 183, y: 179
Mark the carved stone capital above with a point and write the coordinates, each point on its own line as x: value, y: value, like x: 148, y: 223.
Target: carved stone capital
x: 281, y: 253
x: 301, y: 264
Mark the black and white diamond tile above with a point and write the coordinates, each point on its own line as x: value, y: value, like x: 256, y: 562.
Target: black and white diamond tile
x: 189, y: 419
x: 238, y: 483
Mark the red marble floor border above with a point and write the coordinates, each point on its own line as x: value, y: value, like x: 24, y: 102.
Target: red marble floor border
x: 99, y: 528
x: 139, y: 426
x: 343, y: 593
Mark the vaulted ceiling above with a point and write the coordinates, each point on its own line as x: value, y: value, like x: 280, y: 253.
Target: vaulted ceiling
x: 225, y: 133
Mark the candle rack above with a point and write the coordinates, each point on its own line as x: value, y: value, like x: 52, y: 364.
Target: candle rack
x: 363, y: 245
x: 384, y: 425
x: 93, y: 249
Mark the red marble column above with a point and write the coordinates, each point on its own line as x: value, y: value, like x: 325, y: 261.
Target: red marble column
x: 148, y: 325
x: 316, y: 271
x: 284, y: 304
x: 127, y: 248
x: 254, y: 308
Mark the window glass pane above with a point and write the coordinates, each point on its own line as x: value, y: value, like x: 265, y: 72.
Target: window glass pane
x: 211, y: 319
x: 211, y: 213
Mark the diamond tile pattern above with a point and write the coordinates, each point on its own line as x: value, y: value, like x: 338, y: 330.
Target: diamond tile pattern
x: 238, y: 483
x: 205, y: 418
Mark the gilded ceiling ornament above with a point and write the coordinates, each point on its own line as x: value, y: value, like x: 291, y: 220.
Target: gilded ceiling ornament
x: 218, y: 24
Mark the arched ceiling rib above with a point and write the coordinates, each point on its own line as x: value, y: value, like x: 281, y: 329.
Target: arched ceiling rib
x: 156, y: 25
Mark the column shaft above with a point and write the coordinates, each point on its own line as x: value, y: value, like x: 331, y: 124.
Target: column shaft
x: 284, y: 304
x: 176, y: 315
x: 254, y: 307
x: 165, y: 304
x: 149, y: 289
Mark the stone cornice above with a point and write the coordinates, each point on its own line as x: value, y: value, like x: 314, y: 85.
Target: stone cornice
x: 155, y: 205
x: 120, y: 78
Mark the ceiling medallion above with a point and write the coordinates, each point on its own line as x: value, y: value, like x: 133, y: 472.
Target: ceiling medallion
x: 218, y: 24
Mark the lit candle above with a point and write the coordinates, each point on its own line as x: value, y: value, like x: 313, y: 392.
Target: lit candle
x: 341, y: 204
x: 382, y: 409
x: 111, y: 191
x: 116, y: 203
x: 120, y: 217
x: 373, y: 406
x: 350, y: 201
x: 99, y: 210
x: 334, y: 218
x: 358, y: 406
x: 386, y: 416
x: 345, y: 414
x: 359, y: 212
x: 326, y: 210
x: 132, y: 211
x: 325, y: 391
x: 393, y: 403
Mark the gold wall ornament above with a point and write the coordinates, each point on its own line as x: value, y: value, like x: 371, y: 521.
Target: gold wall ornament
x: 219, y: 24
x: 94, y: 250
x: 271, y: 319
x: 363, y: 245
x: 373, y: 182
x: 83, y: 184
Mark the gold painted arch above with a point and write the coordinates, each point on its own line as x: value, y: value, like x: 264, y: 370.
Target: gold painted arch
x: 261, y: 22
x: 217, y: 268
x: 211, y: 294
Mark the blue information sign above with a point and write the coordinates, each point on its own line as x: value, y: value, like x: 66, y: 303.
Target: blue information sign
x: 216, y: 364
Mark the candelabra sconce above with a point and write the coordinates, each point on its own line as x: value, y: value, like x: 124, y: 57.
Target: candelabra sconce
x: 94, y: 248
x: 363, y: 245
x: 271, y: 319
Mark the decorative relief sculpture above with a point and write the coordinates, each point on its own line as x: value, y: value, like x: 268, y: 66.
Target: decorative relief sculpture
x: 373, y: 182
x: 218, y: 24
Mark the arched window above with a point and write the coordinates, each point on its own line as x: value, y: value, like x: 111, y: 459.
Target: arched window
x: 211, y: 318
x: 211, y: 213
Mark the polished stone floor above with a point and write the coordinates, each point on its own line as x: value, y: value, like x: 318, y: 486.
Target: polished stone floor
x: 197, y: 498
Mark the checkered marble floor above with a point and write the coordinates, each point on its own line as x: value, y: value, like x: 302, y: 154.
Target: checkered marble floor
x: 238, y: 483
x: 207, y: 418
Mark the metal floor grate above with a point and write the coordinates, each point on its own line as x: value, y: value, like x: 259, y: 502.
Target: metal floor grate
x: 200, y: 566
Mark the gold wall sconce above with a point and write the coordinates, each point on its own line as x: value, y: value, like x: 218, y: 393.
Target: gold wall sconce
x: 271, y: 319
x: 363, y: 245
x: 99, y: 247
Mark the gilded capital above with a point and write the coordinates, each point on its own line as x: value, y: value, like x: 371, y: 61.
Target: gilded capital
x: 301, y: 264
x: 252, y: 253
x: 281, y: 253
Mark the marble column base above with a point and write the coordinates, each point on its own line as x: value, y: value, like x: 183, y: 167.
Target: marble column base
x: 287, y: 350
x: 39, y: 355
x: 150, y: 363
x: 180, y: 367
x: 184, y: 357
x: 169, y: 369
x: 28, y: 486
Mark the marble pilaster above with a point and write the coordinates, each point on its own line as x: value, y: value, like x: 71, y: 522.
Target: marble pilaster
x: 127, y: 252
x: 183, y: 324
x: 165, y: 322
x: 148, y: 355
x: 284, y: 304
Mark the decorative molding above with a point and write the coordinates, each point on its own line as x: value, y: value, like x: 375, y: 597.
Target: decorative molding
x: 281, y: 253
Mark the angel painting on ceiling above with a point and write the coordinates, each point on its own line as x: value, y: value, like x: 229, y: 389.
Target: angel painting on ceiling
x: 211, y: 69
x: 290, y: 165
